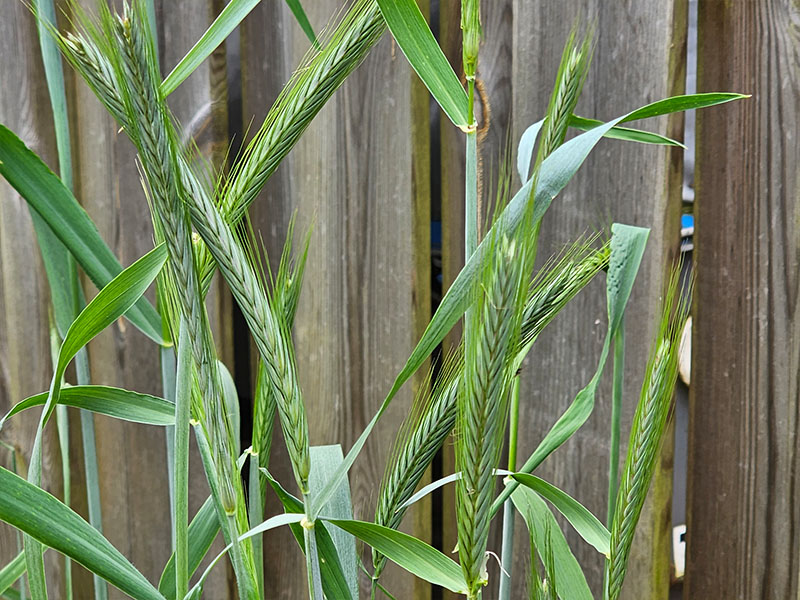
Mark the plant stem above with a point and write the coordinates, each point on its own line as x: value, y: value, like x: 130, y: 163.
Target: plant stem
x: 312, y: 564
x: 180, y: 521
x: 168, y: 368
x: 507, y: 548
x: 312, y: 556
x: 616, y: 413
x: 62, y: 424
x: 255, y: 505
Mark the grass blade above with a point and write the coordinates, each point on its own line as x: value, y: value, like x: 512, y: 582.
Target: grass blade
x: 624, y: 133
x: 539, y: 519
x: 414, y: 555
x: 11, y: 572
x: 221, y: 28
x: 302, y: 20
x: 47, y: 520
x: 51, y: 199
x: 584, y: 522
x: 109, y: 401
x: 416, y: 40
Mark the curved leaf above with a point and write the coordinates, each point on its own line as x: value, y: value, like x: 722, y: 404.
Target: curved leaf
x: 554, y: 174
x: 416, y: 40
x: 584, y: 522
x: 221, y: 28
x: 570, y: 580
x: 414, y: 555
x: 53, y: 201
x: 624, y: 133
x: 109, y: 401
x: 47, y: 520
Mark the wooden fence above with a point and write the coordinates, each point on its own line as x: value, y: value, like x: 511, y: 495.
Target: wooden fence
x: 363, y: 175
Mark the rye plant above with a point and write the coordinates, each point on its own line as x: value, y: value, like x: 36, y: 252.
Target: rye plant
x: 200, y: 225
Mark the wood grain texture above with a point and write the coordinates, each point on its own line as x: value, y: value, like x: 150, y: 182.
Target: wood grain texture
x: 25, y: 366
x: 132, y: 458
x: 366, y: 293
x: 743, y: 504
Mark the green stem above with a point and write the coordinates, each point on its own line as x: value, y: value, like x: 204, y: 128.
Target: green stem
x: 168, y: 371
x: 507, y: 548
x: 183, y: 397
x: 616, y: 412
x: 312, y: 556
x: 255, y: 504
x: 62, y: 425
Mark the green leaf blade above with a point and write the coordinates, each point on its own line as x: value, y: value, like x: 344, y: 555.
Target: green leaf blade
x: 109, y: 401
x: 51, y: 199
x: 570, y: 581
x: 221, y: 28
x: 584, y: 522
x: 411, y: 31
x: 46, y: 519
x: 414, y: 555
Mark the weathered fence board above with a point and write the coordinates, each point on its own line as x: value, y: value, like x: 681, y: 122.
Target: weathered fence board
x: 360, y: 176
x: 743, y: 512
x: 25, y: 368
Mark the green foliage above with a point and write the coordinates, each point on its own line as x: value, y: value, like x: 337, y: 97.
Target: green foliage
x: 198, y: 227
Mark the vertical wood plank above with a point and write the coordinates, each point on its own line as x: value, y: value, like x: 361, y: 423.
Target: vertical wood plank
x: 132, y: 458
x: 743, y: 439
x: 25, y: 366
x: 366, y: 290
x: 639, y: 57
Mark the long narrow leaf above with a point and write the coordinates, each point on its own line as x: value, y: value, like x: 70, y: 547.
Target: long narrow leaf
x: 411, y: 31
x: 571, y: 582
x: 112, y: 302
x: 12, y: 571
x: 302, y: 20
x: 44, y: 518
x: 584, y: 522
x: 624, y: 133
x: 415, y: 556
x: 221, y: 28
x: 109, y: 401
x: 51, y: 199
x: 554, y: 174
